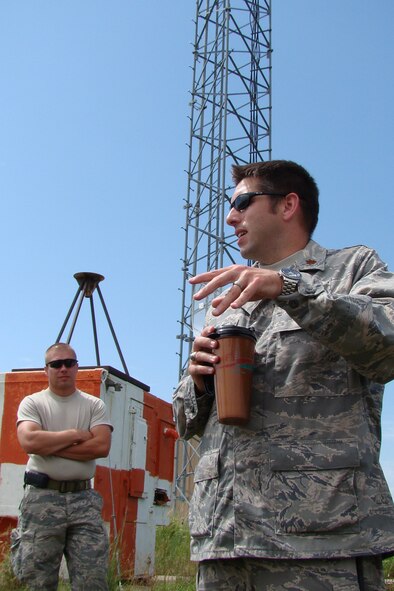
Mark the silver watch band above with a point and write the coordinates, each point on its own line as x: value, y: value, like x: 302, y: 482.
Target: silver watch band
x: 289, y: 286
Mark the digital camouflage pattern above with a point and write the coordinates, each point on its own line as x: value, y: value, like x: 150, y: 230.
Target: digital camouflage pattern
x: 347, y: 574
x: 302, y: 479
x: 45, y: 532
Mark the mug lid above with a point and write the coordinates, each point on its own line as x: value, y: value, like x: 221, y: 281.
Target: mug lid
x: 232, y: 330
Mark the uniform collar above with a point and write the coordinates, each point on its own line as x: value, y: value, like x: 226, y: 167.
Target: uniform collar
x: 312, y: 257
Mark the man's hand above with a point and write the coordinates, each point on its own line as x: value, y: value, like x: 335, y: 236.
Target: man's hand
x: 203, y: 358
x: 250, y: 284
x: 96, y: 446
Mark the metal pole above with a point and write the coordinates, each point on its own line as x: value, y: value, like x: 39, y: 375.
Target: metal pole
x: 68, y: 316
x: 112, y: 332
x: 94, y: 331
x: 76, y: 315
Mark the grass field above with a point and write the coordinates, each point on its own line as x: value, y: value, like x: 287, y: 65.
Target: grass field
x: 176, y: 572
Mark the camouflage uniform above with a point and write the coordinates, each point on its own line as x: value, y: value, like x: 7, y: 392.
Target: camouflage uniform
x: 52, y: 522
x: 255, y: 574
x: 302, y: 479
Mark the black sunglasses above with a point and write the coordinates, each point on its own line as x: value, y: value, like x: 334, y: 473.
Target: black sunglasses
x: 58, y: 363
x: 243, y: 201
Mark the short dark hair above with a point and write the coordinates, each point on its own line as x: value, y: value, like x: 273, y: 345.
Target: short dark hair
x: 60, y: 346
x: 285, y: 176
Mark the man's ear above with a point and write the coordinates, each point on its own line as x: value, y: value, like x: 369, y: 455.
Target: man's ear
x: 290, y: 205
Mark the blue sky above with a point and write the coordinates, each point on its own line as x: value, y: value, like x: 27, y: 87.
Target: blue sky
x: 94, y: 105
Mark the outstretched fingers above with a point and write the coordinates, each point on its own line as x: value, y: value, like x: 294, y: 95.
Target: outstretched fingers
x: 215, y: 279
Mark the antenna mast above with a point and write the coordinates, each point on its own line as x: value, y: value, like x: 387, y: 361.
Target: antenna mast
x: 88, y: 283
x: 230, y: 123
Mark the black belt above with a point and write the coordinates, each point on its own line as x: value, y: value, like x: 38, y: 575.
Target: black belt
x: 40, y: 480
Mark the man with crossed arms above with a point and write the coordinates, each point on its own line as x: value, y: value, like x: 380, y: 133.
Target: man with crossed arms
x: 64, y: 431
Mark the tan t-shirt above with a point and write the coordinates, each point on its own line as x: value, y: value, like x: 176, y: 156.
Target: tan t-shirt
x: 58, y: 413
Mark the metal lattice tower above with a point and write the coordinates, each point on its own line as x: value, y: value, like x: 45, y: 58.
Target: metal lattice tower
x: 230, y: 122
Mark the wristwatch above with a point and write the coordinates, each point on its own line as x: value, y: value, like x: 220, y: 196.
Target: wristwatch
x: 290, y: 278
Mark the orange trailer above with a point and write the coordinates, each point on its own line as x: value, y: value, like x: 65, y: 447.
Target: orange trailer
x: 136, y: 480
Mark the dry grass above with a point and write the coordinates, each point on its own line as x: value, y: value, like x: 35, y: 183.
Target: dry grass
x: 172, y: 563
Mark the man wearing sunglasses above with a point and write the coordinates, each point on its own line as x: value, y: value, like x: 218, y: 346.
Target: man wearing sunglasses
x: 64, y: 430
x: 296, y: 498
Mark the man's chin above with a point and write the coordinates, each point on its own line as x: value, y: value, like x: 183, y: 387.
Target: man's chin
x: 246, y: 253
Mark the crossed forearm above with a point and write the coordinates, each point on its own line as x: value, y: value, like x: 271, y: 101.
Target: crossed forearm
x: 85, y: 451
x: 46, y: 443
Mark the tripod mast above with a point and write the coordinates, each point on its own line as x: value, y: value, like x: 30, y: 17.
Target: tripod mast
x: 88, y: 283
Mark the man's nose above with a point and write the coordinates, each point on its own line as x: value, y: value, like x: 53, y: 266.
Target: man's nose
x: 233, y: 217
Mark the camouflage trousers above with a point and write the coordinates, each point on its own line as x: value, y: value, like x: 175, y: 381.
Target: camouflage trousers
x: 52, y: 524
x: 254, y: 574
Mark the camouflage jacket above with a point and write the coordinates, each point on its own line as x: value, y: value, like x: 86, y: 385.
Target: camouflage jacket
x: 302, y: 479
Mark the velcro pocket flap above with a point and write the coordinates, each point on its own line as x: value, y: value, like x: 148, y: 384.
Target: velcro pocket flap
x: 208, y: 466
x: 314, y: 455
